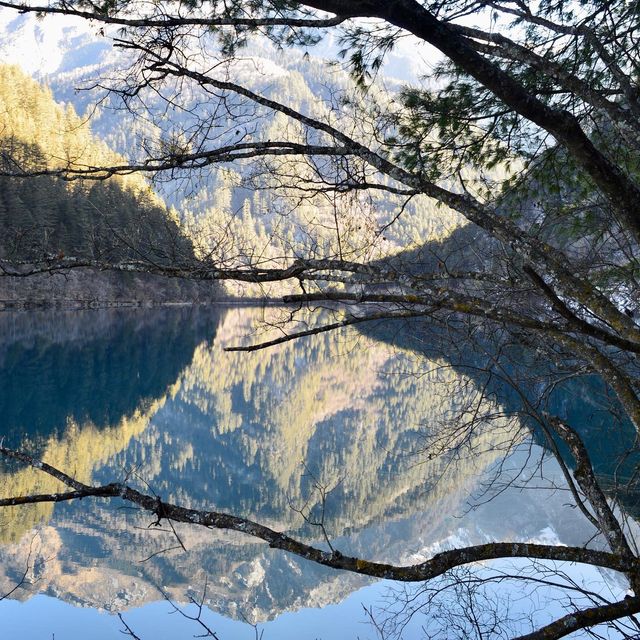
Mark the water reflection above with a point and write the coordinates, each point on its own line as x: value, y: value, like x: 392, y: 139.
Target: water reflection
x: 154, y: 398
x: 91, y: 367
x: 512, y: 372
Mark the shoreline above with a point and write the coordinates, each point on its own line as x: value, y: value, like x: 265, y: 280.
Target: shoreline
x: 83, y: 305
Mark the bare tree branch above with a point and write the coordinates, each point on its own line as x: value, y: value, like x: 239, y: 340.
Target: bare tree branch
x: 436, y: 566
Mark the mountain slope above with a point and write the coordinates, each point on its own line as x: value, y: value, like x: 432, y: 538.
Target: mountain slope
x: 227, y: 208
x: 108, y: 220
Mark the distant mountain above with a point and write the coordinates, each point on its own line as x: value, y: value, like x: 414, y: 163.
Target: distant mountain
x: 228, y: 201
x: 54, y: 45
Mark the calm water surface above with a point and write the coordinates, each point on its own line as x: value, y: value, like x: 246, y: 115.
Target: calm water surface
x: 151, y: 397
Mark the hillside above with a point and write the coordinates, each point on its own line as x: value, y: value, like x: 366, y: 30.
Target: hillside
x: 107, y: 221
x: 237, y: 213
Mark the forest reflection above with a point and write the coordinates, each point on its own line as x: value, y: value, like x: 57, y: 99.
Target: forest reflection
x: 152, y: 396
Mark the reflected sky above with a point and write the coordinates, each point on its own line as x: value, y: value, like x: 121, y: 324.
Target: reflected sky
x: 43, y: 616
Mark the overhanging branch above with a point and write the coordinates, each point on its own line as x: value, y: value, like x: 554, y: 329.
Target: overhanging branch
x: 432, y: 568
x: 163, y: 21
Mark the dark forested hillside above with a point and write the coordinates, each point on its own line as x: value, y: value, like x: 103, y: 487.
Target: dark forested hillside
x: 43, y: 216
x: 111, y: 220
x: 108, y: 220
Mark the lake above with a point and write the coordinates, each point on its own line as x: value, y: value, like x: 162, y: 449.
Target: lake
x: 338, y: 427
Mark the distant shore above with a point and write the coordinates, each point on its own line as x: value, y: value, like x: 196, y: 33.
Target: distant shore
x: 79, y: 304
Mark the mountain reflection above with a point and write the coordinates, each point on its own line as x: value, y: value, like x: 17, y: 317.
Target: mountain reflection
x: 581, y: 400
x: 88, y: 366
x: 78, y: 386
x: 251, y: 433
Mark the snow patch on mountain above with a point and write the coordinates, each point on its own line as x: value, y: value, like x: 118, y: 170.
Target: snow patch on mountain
x: 54, y: 44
